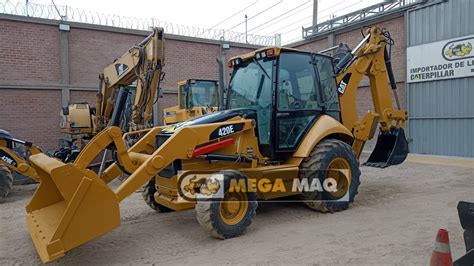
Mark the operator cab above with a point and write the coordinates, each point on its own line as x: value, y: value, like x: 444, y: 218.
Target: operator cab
x: 288, y: 90
x: 196, y: 92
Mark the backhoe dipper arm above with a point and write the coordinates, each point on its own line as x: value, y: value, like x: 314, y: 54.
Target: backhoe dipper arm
x: 369, y: 58
x: 142, y: 63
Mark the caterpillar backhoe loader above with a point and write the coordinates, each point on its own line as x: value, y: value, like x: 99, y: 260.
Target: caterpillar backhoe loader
x: 142, y: 63
x: 288, y: 121
x: 11, y: 162
x: 196, y: 97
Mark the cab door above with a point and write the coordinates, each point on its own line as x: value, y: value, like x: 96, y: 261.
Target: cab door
x: 299, y: 99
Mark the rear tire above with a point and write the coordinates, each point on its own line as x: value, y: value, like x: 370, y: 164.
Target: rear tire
x: 228, y: 217
x: 6, y: 181
x: 148, y: 194
x: 327, y: 154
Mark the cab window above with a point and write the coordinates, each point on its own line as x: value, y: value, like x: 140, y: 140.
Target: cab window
x: 328, y: 85
x: 298, y: 88
x: 182, y: 96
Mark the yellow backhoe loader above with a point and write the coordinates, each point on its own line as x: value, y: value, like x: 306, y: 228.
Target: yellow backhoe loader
x: 142, y: 63
x: 196, y: 97
x: 288, y: 121
x: 11, y: 162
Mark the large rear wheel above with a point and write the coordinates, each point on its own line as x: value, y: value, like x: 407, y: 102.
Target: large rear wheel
x: 331, y: 160
x: 6, y: 181
x: 229, y: 216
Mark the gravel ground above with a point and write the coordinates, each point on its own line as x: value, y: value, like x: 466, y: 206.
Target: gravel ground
x: 393, y: 221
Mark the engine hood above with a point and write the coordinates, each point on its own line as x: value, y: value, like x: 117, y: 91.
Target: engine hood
x: 216, y: 117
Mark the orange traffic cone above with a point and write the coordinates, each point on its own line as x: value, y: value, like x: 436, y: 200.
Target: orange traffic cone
x: 442, y: 252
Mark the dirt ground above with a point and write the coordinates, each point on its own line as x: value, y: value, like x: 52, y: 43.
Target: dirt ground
x: 393, y: 221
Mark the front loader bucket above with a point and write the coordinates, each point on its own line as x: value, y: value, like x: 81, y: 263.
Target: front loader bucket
x: 70, y: 207
x: 391, y: 149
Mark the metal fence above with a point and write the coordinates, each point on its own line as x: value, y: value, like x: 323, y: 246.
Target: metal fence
x: 67, y: 13
x: 370, y: 12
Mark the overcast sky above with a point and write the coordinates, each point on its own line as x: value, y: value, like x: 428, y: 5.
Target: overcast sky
x: 265, y: 17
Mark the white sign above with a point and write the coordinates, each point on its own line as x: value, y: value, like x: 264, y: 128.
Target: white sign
x: 447, y: 59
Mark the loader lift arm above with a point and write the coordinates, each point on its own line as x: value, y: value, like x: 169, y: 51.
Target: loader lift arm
x: 73, y: 205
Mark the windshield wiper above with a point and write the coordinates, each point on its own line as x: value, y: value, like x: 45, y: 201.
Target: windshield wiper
x: 261, y: 67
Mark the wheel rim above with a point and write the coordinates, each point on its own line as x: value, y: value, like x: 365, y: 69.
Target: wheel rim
x: 343, y: 182
x: 233, y: 207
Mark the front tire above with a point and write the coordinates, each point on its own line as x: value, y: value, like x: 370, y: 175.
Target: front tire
x: 6, y: 181
x: 340, y: 160
x: 148, y: 194
x: 230, y: 216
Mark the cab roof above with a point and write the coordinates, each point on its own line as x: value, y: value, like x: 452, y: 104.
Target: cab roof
x: 276, y: 52
x: 250, y: 55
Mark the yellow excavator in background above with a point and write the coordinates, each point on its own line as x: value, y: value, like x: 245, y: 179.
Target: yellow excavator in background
x: 196, y: 97
x: 143, y: 63
x: 287, y: 121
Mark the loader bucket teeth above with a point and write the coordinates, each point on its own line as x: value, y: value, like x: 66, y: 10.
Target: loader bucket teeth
x: 391, y: 149
x: 69, y: 207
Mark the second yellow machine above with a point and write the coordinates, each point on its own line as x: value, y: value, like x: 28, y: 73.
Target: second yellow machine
x: 196, y: 97
x: 287, y: 119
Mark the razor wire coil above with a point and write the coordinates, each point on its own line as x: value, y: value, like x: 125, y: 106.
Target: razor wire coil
x: 71, y: 14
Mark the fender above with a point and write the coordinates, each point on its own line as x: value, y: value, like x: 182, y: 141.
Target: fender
x: 325, y: 126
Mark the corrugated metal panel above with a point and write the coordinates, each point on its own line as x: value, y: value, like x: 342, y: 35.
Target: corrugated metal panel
x: 441, y: 113
x: 449, y: 19
x: 442, y: 117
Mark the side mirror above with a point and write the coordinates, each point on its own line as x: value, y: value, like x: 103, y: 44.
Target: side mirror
x: 66, y: 110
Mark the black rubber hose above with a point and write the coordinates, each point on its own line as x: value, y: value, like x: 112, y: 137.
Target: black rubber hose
x: 388, y: 65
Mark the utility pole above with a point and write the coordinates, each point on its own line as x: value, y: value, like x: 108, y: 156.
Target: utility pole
x: 246, y: 28
x: 315, y: 13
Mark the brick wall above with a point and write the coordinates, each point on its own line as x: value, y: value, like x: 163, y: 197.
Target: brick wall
x: 83, y: 96
x: 396, y: 27
x: 91, y: 50
x: 30, y: 86
x: 30, y: 59
x: 31, y: 115
x: 314, y: 46
x: 28, y: 53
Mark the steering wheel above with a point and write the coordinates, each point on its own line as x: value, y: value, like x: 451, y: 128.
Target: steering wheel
x: 297, y: 104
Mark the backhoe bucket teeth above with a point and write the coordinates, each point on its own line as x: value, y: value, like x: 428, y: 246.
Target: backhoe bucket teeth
x: 391, y: 149
x: 69, y: 207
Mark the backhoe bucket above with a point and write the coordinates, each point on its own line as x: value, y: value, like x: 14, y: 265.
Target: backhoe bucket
x: 391, y: 149
x: 70, y: 207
